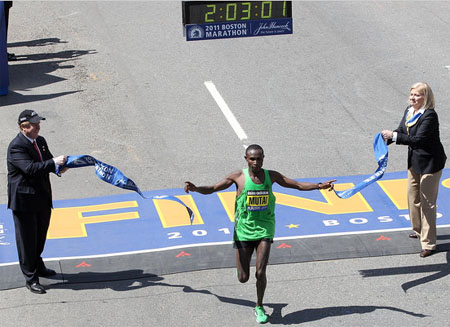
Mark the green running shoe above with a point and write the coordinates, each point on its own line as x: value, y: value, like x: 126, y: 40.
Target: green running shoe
x: 260, y: 314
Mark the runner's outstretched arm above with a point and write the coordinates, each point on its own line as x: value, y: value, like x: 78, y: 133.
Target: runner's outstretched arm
x: 219, y: 186
x: 301, y: 186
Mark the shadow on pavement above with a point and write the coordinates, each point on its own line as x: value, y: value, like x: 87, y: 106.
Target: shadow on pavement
x: 67, y: 54
x: 16, y: 98
x: 441, y: 269
x: 119, y: 281
x: 38, y: 71
x: 36, y: 43
x: 122, y: 281
x: 309, y: 315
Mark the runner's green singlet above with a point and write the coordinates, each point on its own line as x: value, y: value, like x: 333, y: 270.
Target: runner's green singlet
x: 254, y: 213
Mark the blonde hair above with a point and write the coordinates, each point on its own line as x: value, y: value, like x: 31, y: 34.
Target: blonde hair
x: 425, y: 90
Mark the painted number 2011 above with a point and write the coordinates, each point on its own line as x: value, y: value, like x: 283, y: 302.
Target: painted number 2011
x: 197, y: 233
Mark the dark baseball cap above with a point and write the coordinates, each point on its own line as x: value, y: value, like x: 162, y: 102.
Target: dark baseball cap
x: 30, y: 116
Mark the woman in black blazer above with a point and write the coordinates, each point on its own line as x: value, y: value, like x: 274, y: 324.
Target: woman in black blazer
x: 419, y: 130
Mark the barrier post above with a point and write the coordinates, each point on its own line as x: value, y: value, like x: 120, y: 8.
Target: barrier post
x: 4, y: 75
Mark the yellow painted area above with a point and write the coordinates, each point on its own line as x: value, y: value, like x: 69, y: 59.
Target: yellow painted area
x: 446, y: 183
x: 395, y: 189
x: 332, y: 206
x: 173, y: 214
x: 228, y: 201
x: 69, y: 222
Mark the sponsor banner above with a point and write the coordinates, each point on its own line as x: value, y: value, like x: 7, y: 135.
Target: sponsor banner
x: 249, y: 28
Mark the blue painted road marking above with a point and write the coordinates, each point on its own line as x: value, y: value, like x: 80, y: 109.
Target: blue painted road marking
x: 126, y: 223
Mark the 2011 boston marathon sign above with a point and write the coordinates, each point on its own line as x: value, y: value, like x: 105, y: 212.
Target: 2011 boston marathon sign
x: 206, y: 20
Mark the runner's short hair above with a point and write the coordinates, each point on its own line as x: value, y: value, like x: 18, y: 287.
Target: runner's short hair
x: 253, y: 147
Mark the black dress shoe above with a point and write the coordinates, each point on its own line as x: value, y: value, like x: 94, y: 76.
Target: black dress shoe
x: 35, y: 287
x: 413, y: 235
x: 47, y: 273
x: 426, y: 253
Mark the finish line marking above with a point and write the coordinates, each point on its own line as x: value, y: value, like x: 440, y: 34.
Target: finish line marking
x: 226, y: 111
x: 195, y: 245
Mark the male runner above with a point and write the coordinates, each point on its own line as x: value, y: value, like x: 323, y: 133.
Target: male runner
x: 255, y: 215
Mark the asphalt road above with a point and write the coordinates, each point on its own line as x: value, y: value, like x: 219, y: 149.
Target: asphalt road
x: 386, y: 291
x: 118, y: 81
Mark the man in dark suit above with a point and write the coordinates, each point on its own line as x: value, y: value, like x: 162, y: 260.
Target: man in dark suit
x: 30, y: 196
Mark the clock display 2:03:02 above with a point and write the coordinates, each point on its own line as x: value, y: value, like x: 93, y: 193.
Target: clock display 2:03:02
x: 224, y: 11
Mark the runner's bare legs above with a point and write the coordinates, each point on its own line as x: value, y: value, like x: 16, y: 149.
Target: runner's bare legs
x: 262, y: 259
x: 243, y: 257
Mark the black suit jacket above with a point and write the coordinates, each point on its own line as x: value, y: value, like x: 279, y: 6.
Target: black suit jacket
x: 425, y: 151
x: 28, y: 178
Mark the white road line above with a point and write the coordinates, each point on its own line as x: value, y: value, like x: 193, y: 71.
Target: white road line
x: 226, y: 111
x: 71, y: 14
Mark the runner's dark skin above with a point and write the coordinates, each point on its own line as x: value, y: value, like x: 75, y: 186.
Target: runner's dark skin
x: 255, y: 158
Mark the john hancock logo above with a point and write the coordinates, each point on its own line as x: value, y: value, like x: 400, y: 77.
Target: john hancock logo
x: 271, y: 27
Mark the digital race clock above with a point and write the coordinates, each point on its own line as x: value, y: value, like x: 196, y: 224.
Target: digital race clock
x: 228, y: 19
x: 202, y: 12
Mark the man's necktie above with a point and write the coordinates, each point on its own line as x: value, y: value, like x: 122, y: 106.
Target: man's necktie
x: 37, y: 149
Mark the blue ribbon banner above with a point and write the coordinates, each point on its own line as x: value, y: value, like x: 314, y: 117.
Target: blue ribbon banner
x: 381, y: 155
x: 114, y: 176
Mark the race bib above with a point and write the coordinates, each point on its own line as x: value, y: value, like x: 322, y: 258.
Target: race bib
x: 257, y: 200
